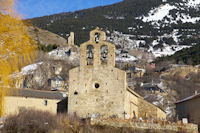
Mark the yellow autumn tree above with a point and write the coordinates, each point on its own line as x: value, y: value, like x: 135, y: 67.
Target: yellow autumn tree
x: 16, y: 46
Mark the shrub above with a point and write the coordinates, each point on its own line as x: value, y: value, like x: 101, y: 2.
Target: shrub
x: 30, y: 121
x: 47, y: 48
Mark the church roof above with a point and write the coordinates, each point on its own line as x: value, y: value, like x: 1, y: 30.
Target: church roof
x: 134, y: 93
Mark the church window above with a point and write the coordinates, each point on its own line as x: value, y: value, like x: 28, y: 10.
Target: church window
x: 97, y: 36
x: 90, y: 54
x: 75, y: 93
x: 45, y: 102
x: 104, y: 54
x: 97, y: 85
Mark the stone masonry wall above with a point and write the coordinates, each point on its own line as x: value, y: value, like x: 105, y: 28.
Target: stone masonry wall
x: 106, y: 100
x: 162, y: 126
x: 147, y: 110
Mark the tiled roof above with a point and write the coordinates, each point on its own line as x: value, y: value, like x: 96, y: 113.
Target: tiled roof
x: 37, y: 94
x: 188, y: 98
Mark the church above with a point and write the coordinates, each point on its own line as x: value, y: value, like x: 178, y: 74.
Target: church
x: 98, y: 88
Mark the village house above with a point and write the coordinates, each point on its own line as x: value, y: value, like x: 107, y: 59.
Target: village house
x: 51, y: 101
x: 57, y: 83
x: 97, y: 87
x: 135, y: 72
x: 187, y: 109
x: 153, y: 88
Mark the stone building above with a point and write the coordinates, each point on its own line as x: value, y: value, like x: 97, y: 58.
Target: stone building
x: 71, y: 38
x: 57, y: 83
x: 135, y: 72
x: 97, y: 87
x: 188, y: 109
x: 51, y: 101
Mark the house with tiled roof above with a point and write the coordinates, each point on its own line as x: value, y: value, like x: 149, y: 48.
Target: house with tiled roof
x: 51, y: 101
x: 188, y: 108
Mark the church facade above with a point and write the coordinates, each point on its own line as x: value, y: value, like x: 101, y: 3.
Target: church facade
x: 97, y: 87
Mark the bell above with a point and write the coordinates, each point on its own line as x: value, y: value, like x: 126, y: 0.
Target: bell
x: 104, y: 55
x: 90, y: 55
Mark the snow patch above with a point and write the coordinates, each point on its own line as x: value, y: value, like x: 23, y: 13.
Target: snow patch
x: 168, y: 111
x: 30, y: 68
x: 167, y: 50
x: 193, y: 3
x: 158, y: 13
x: 125, y: 58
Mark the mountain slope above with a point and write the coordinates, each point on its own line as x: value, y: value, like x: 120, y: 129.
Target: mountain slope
x: 161, y: 27
x: 114, y: 17
x: 189, y: 56
x: 45, y: 37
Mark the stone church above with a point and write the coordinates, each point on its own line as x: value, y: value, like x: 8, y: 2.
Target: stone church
x: 97, y: 87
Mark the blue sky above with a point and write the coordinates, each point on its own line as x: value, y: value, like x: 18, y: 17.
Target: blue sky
x: 36, y: 8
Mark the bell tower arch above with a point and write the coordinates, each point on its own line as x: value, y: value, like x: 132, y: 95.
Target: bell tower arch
x: 97, y: 51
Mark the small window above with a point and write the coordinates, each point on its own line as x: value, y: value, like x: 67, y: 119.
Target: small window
x: 97, y: 85
x: 45, y: 102
x: 97, y: 37
x: 54, y: 68
x: 75, y: 93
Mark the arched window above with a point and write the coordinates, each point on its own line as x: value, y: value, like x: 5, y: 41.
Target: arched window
x: 104, y: 54
x: 90, y: 54
x: 97, y: 37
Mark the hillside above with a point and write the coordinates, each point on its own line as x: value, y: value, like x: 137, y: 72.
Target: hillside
x: 161, y: 27
x: 117, y: 17
x: 45, y: 37
x: 189, y: 56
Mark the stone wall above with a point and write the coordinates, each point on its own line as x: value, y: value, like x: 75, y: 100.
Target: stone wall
x: 148, y: 110
x: 158, y: 127
x: 131, y: 105
x: 13, y: 104
x: 106, y: 99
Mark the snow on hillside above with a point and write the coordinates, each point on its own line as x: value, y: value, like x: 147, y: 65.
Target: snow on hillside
x: 167, y: 14
x: 126, y: 44
x: 65, y: 53
x: 158, y: 13
x: 122, y: 40
x: 193, y: 3
x: 185, y: 18
x: 167, y: 50
x: 162, y: 13
x: 125, y: 58
x: 30, y: 68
